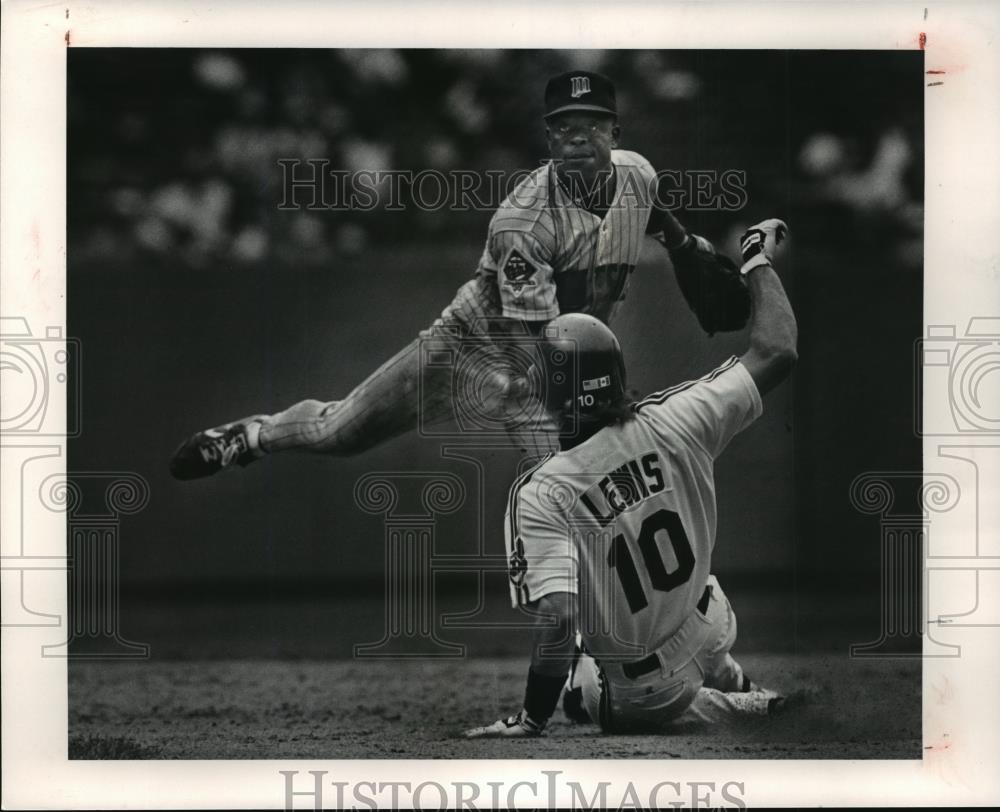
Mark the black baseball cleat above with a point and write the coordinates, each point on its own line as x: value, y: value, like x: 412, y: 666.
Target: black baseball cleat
x: 795, y: 700
x: 212, y: 450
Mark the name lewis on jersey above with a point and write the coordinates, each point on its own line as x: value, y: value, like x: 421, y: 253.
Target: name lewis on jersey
x: 624, y: 488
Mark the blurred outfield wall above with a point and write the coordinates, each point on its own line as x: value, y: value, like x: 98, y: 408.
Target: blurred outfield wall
x: 170, y: 351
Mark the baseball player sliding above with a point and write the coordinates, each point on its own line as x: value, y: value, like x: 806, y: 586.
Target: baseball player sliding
x: 564, y: 241
x: 613, y: 536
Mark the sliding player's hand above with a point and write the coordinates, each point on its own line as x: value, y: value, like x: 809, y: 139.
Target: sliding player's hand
x: 518, y: 726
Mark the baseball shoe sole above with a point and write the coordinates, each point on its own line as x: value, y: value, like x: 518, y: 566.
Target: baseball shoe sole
x: 213, y: 450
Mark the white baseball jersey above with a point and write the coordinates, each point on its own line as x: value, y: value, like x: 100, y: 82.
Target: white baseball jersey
x: 627, y: 519
x: 550, y: 256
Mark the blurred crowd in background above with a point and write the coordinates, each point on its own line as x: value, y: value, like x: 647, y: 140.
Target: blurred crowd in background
x: 173, y: 153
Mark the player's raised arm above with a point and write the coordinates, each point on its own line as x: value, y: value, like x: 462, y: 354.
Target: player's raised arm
x: 664, y: 227
x: 707, y: 279
x: 773, y: 331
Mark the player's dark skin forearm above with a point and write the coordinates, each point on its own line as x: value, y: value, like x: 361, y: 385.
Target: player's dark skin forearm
x: 673, y: 232
x: 670, y: 233
x: 773, y: 330
x: 554, y: 633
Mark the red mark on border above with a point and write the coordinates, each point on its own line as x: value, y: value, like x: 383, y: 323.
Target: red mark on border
x: 922, y: 39
x: 942, y: 745
x: 937, y: 71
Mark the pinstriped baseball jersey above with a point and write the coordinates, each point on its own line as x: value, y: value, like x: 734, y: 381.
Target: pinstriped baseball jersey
x: 549, y: 255
x: 627, y: 519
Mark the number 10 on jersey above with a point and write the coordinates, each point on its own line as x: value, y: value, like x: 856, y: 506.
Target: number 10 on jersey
x: 621, y: 560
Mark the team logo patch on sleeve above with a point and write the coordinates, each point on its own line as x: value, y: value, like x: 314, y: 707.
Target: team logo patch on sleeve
x: 518, y: 273
x: 517, y: 564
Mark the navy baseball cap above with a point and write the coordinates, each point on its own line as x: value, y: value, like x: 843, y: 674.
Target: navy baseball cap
x: 580, y: 90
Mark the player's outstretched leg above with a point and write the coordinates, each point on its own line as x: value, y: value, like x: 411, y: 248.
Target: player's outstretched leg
x: 383, y: 406
x: 721, y: 707
x: 394, y: 399
x: 722, y: 671
x: 483, y: 380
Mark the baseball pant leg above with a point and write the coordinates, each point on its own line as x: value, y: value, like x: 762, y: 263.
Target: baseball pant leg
x: 695, y: 675
x: 645, y: 704
x: 721, y: 671
x: 394, y: 399
x: 654, y: 703
x: 383, y: 406
x: 721, y: 707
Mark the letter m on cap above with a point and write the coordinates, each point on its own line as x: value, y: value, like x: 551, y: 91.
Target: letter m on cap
x: 579, y: 85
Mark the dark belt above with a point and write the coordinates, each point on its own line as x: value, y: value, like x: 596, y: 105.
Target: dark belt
x: 647, y: 665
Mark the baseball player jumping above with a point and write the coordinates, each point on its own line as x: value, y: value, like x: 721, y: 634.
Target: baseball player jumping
x: 613, y: 536
x: 564, y: 241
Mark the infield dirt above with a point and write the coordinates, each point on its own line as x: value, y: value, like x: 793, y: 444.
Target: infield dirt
x: 247, y: 709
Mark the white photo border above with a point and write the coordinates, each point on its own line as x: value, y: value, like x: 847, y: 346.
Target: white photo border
x: 961, y: 735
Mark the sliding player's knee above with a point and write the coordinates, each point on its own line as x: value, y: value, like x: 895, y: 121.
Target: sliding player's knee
x: 672, y: 697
